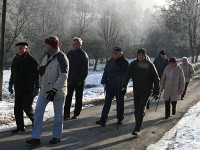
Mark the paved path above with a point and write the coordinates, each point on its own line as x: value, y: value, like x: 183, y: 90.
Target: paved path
x: 84, y: 134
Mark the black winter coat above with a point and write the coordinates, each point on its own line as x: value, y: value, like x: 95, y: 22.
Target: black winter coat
x: 78, y: 66
x: 24, y: 73
x: 160, y: 65
x: 114, y: 73
x: 144, y: 76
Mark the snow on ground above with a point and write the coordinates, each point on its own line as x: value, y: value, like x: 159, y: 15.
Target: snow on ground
x: 94, y: 91
x: 185, y: 135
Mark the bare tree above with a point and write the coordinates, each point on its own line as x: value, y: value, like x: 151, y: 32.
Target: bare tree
x: 19, y: 18
x: 110, y: 31
x: 182, y: 17
x: 82, y: 18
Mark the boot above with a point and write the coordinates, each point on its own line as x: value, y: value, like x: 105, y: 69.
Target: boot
x: 54, y: 141
x: 99, y: 122
x: 19, y: 130
x: 119, y: 122
x: 33, y: 141
x: 135, y: 133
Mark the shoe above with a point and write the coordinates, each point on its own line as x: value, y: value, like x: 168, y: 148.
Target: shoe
x: 166, y: 117
x: 19, y: 130
x: 75, y: 117
x: 54, y: 141
x: 33, y: 141
x: 99, y: 122
x: 135, y: 134
x: 119, y: 122
x: 182, y: 98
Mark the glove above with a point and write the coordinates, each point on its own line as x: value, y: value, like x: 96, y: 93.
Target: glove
x: 35, y: 92
x: 50, y: 95
x: 123, y: 91
x: 155, y: 96
x: 10, y: 89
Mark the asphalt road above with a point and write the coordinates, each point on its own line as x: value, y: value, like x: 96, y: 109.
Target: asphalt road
x: 83, y: 133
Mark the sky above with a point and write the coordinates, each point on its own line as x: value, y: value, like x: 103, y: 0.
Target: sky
x: 150, y: 3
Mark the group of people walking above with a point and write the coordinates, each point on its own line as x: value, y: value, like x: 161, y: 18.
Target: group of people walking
x: 59, y: 75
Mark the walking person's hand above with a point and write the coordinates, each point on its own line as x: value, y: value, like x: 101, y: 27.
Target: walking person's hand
x: 50, y: 95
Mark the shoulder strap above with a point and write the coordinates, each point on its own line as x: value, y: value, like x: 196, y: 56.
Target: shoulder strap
x: 51, y: 60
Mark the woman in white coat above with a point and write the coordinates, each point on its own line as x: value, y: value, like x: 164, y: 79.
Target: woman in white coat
x: 172, y: 82
x: 188, y: 71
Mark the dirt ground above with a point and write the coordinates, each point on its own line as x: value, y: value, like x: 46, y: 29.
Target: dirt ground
x: 83, y: 133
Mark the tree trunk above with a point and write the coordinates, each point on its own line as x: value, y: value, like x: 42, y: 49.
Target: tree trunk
x: 2, y: 46
x: 95, y: 64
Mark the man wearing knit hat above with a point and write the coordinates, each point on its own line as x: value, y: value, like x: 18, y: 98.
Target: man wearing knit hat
x: 145, y: 80
x: 53, y: 87
x: 161, y: 62
x: 25, y: 78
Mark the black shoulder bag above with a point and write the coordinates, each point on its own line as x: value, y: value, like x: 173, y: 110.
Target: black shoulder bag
x: 42, y: 69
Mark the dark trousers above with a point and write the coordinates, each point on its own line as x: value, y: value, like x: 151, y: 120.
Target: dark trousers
x: 140, y: 101
x: 107, y: 104
x: 78, y: 99
x: 184, y: 92
x: 167, y: 107
x: 23, y: 102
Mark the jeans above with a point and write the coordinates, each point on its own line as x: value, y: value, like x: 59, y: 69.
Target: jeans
x: 108, y: 102
x: 58, y: 105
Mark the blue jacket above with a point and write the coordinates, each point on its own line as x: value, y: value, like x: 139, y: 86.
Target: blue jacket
x: 114, y: 73
x: 160, y: 65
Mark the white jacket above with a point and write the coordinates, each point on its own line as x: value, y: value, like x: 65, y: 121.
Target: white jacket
x: 55, y: 76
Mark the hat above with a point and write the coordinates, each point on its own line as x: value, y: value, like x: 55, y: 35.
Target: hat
x: 118, y: 49
x: 173, y: 60
x: 142, y: 50
x: 54, y: 44
x: 22, y: 44
x: 162, y: 52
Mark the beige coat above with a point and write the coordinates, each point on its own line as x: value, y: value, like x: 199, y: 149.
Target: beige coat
x: 172, y: 89
x: 188, y: 71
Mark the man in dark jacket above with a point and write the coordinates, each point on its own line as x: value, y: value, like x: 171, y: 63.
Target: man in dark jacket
x: 24, y: 77
x: 161, y: 62
x: 145, y: 78
x: 112, y: 79
x: 78, y: 71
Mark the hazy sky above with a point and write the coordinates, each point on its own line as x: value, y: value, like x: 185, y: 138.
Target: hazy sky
x: 150, y: 3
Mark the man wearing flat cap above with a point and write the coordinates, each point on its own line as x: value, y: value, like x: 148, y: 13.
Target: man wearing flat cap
x: 145, y: 81
x: 161, y: 62
x: 112, y: 79
x: 24, y: 77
